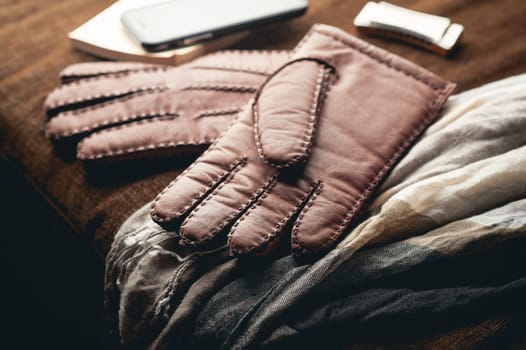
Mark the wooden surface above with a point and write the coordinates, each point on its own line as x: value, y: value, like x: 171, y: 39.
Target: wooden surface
x: 35, y: 48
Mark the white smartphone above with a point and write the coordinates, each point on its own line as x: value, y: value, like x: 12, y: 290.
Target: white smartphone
x: 179, y: 23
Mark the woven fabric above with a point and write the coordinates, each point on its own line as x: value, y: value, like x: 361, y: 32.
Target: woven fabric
x: 439, y: 245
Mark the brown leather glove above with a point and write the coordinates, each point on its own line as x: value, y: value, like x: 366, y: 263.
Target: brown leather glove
x: 302, y: 159
x: 132, y: 110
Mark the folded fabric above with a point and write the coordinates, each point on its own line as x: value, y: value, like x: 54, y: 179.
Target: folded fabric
x: 151, y: 278
x: 135, y: 110
x: 459, y: 272
x: 454, y: 210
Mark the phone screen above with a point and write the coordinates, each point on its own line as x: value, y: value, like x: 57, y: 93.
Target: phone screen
x: 170, y: 23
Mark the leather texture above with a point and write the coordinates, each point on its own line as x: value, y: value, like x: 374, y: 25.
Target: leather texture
x: 133, y: 110
x: 302, y: 159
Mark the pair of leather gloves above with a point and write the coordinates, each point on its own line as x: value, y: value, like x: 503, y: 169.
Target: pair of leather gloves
x: 300, y: 139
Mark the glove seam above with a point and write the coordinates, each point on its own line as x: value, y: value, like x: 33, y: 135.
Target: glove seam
x: 277, y: 228
x: 381, y: 56
x: 121, y: 151
x: 151, y: 146
x: 431, y: 113
x: 78, y: 111
x: 245, y: 52
x: 234, y: 69
x: 210, y: 235
x: 218, y: 111
x: 245, y: 69
x: 320, y: 93
x: 124, y: 95
x: 146, y: 116
x: 165, y: 219
x: 223, y: 87
x: 114, y: 94
x: 295, y: 244
x: 271, y: 181
x: 211, y: 185
x: 95, y: 75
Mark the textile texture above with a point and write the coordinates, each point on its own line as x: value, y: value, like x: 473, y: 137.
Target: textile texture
x: 441, y: 243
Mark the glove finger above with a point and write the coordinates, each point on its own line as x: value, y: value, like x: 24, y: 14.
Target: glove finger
x: 323, y: 220
x: 226, y: 203
x: 88, y: 70
x: 92, y: 91
x: 87, y: 93
x: 114, y: 112
x: 153, y: 137
x: 201, y: 178
x: 262, y: 226
x: 253, y: 61
x: 195, y: 103
x: 256, y: 61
